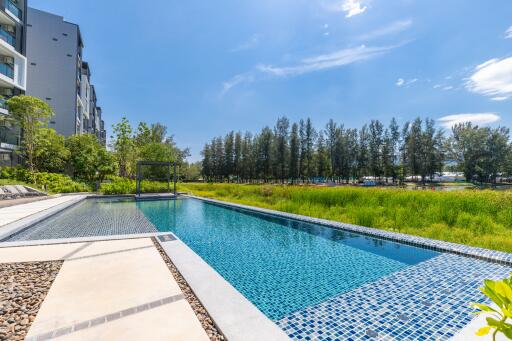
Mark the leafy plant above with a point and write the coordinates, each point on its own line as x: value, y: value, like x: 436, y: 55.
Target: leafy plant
x: 500, y: 292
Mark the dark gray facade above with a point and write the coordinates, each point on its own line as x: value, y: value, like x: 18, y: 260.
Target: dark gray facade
x: 13, y: 73
x: 57, y: 73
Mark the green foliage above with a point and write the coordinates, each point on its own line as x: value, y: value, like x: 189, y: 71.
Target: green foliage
x: 30, y: 114
x: 50, y: 153
x: 119, y: 185
x: 124, y: 147
x: 499, y: 292
x: 418, y: 151
x: 478, y: 218
x: 89, y: 160
x: 54, y: 183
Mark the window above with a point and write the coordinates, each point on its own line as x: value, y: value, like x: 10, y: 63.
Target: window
x: 65, y: 34
x: 48, y: 98
x: 34, y: 64
x: 69, y: 55
x: 55, y: 39
x: 5, y: 157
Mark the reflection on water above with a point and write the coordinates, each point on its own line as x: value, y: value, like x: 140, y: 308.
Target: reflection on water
x: 281, y: 265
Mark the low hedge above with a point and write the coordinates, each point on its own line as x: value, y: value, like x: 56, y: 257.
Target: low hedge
x: 52, y: 182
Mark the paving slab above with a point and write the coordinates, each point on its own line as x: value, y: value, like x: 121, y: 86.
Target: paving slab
x: 13, y: 213
x: 114, y: 290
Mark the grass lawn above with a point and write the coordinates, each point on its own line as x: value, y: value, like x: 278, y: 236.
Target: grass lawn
x: 4, y: 182
x: 472, y: 217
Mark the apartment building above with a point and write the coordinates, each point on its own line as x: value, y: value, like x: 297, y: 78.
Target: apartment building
x: 13, y: 72
x: 59, y: 75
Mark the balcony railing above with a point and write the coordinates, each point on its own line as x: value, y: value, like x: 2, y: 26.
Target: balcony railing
x: 3, y: 103
x: 6, y: 36
x: 11, y: 6
x: 7, y: 70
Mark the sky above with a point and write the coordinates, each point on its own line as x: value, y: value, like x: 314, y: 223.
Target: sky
x: 204, y: 68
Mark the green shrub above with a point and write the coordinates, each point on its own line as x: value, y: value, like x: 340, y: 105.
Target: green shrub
x: 52, y: 182
x: 120, y: 185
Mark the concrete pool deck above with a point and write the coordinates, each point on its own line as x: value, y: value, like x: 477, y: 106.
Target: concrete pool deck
x: 119, y: 289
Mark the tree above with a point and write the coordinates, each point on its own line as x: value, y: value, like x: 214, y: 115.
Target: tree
x: 30, y: 114
x: 50, y: 152
x: 123, y: 145
x: 330, y: 130
x: 375, y: 141
x: 88, y: 160
x: 294, y: 153
x: 281, y: 145
x: 229, y: 155
x: 237, y: 164
x: 322, y: 157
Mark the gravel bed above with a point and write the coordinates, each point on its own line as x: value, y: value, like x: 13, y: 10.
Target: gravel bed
x: 23, y: 287
x: 206, y: 321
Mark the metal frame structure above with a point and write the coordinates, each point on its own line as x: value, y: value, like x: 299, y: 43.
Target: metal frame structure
x: 157, y: 163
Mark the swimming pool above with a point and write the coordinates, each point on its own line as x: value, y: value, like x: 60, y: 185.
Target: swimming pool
x: 281, y: 265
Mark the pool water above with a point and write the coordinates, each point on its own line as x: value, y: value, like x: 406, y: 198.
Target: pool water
x: 280, y: 265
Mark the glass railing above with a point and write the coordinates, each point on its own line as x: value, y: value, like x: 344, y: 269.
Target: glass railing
x: 9, y: 135
x: 3, y: 103
x: 11, y: 6
x: 7, y: 70
x: 4, y: 35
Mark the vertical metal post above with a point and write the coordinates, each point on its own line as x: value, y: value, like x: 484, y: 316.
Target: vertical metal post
x: 168, y: 177
x: 138, y: 178
x: 175, y: 178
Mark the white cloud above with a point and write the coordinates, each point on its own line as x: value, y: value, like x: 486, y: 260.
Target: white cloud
x: 437, y: 86
x: 250, y: 44
x: 350, y: 7
x: 326, y: 61
x: 394, y: 27
x: 476, y: 118
x: 508, y: 33
x: 449, y: 87
x: 492, y: 78
x: 235, y: 81
x: 499, y: 98
x: 402, y: 82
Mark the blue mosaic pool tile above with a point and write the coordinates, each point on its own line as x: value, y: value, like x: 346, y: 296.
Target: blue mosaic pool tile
x: 91, y: 217
x: 422, y: 302
x: 437, y: 245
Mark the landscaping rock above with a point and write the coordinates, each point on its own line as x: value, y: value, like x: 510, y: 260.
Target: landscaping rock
x: 202, y: 315
x: 23, y: 287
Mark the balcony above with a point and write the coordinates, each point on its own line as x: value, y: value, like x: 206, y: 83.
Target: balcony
x: 7, y: 70
x: 6, y: 36
x: 11, y: 7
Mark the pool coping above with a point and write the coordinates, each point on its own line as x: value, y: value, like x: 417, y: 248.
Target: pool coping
x: 43, y: 242
x: 492, y: 256
x: 235, y: 316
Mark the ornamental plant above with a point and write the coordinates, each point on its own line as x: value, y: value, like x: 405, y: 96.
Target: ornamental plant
x: 500, y: 293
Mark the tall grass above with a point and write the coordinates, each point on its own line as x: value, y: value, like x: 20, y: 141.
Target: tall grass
x: 477, y: 218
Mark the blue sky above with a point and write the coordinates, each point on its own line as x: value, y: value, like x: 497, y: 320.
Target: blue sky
x: 206, y: 67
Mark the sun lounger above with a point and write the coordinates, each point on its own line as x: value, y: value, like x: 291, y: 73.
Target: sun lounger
x: 4, y: 195
x: 12, y: 191
x: 24, y: 191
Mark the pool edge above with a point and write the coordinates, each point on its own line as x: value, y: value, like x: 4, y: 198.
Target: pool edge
x: 236, y: 317
x: 492, y: 256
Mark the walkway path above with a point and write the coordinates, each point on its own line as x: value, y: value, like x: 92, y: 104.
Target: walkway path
x: 119, y: 289
x: 13, y: 213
